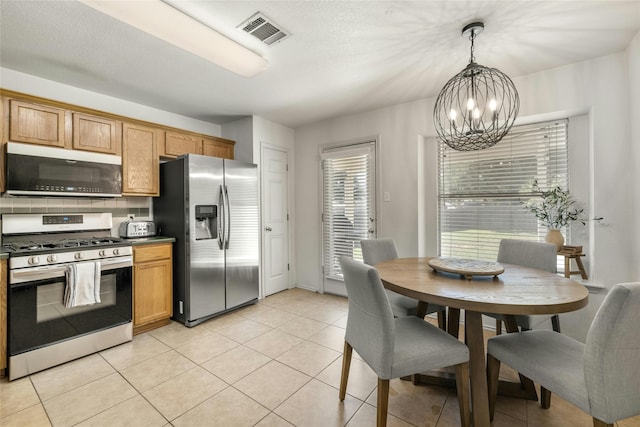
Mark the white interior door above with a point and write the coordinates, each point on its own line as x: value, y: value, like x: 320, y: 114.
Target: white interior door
x: 275, y: 222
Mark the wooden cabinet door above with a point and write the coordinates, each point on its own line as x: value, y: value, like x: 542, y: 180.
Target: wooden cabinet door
x: 36, y: 124
x: 153, y: 293
x: 217, y: 147
x: 3, y: 314
x: 176, y: 144
x: 153, y: 284
x: 140, y: 160
x: 92, y: 133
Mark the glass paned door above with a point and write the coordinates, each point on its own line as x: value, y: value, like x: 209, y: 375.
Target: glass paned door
x: 348, y: 204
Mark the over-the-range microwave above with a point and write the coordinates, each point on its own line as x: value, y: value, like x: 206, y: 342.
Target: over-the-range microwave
x: 36, y: 170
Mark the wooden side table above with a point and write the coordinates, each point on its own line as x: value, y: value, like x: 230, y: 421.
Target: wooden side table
x: 575, y: 253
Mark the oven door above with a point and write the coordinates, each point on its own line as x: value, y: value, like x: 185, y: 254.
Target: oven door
x: 37, y: 316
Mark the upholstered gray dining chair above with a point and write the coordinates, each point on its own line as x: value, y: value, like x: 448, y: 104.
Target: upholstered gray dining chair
x: 540, y: 255
x: 378, y: 250
x: 395, y: 347
x: 601, y: 377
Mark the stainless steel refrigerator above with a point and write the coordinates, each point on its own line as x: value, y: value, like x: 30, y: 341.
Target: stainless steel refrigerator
x: 210, y: 206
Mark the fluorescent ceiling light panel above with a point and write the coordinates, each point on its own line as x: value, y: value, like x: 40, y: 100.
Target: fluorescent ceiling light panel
x: 169, y: 24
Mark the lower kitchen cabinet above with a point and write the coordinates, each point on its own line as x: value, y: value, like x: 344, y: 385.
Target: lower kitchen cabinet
x: 152, y: 286
x: 3, y: 316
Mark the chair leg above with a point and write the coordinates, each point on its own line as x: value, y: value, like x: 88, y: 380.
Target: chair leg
x: 383, y: 402
x: 598, y: 423
x: 545, y: 398
x: 462, y: 387
x: 493, y: 374
x: 510, y: 324
x: 346, y: 364
x: 555, y: 322
x: 498, y: 326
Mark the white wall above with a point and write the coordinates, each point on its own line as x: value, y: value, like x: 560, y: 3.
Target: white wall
x: 397, y: 128
x: 599, y: 87
x: 36, y: 86
x: 241, y: 131
x: 633, y: 57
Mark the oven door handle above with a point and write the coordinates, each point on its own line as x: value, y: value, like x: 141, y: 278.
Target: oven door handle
x: 49, y: 272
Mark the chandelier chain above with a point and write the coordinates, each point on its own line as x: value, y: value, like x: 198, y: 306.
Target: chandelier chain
x: 472, y: 37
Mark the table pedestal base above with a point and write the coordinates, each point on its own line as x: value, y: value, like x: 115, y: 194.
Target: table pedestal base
x: 448, y: 379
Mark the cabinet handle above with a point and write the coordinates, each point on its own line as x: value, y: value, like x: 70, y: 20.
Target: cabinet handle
x: 268, y: 228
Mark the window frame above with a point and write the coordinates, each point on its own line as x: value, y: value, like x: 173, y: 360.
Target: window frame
x: 444, y: 194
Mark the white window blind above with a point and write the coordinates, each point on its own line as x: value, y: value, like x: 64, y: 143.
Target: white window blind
x: 481, y: 193
x: 348, y: 203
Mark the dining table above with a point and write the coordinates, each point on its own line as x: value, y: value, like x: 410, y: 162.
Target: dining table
x: 516, y: 290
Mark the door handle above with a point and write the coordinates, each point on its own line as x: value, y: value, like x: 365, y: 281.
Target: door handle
x: 268, y: 229
x: 227, y: 215
x: 221, y: 219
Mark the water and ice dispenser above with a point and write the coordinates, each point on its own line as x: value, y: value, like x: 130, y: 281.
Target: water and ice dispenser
x: 206, y: 222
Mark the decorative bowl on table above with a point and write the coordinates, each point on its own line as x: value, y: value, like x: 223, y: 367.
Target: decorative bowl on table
x: 466, y: 267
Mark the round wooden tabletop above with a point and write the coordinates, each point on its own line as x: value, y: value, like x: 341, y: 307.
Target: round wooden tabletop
x: 519, y: 290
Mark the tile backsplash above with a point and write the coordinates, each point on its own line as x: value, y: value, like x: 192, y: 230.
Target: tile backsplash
x: 120, y: 208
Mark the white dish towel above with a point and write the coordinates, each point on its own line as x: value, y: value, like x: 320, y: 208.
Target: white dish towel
x: 83, y: 284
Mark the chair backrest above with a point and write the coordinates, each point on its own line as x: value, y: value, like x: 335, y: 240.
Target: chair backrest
x: 540, y: 255
x: 378, y: 250
x: 370, y: 324
x: 612, y: 355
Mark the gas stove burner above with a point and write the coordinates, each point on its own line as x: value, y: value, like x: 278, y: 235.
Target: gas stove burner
x: 62, y: 245
x: 28, y: 246
x: 74, y: 243
x: 105, y: 240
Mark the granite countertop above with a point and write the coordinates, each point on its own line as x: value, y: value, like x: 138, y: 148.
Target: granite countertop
x: 151, y: 240
x: 4, y: 254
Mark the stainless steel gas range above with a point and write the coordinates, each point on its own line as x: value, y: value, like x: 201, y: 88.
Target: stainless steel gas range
x: 49, y: 256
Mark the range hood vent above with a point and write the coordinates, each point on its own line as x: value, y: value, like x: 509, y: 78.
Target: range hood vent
x: 264, y: 29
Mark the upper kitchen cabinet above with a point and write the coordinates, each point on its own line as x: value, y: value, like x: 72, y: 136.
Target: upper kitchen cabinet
x: 36, y: 124
x: 140, y: 160
x: 217, y: 147
x: 99, y: 134
x: 178, y: 143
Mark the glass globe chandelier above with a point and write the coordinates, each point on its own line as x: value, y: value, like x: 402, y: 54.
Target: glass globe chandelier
x: 478, y: 106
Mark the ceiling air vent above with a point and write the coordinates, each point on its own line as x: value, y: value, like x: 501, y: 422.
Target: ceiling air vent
x: 264, y: 29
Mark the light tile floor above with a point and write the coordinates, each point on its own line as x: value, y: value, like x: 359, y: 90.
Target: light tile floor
x: 275, y: 363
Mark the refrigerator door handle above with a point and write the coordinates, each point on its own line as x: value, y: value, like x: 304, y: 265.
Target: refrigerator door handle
x: 221, y: 219
x: 227, y: 217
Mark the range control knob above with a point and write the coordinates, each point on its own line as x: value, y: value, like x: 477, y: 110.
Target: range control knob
x: 78, y: 255
x: 102, y: 252
x: 34, y: 260
x: 116, y: 251
x: 52, y: 258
